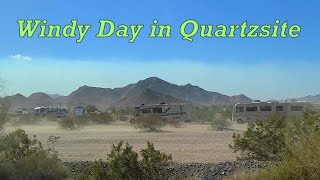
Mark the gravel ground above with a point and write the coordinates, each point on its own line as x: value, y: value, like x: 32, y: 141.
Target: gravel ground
x: 203, y: 171
x: 190, y: 143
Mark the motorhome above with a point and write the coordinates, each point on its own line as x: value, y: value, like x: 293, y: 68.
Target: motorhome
x: 56, y: 111
x: 179, y: 112
x: 255, y: 111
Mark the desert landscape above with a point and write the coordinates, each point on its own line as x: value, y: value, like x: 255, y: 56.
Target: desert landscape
x: 189, y: 143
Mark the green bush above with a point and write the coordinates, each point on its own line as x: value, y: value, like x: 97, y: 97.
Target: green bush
x: 102, y: 118
x: 96, y: 171
x: 263, y: 140
x: 220, y: 123
x: 123, y: 163
x: 300, y: 154
x: 21, y: 157
x: 153, y: 162
x: 302, y: 163
x: 150, y: 122
x: 72, y: 122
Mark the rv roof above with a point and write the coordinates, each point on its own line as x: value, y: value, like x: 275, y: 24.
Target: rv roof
x: 277, y: 102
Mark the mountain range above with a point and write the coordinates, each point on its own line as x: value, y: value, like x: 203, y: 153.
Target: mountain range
x: 149, y: 91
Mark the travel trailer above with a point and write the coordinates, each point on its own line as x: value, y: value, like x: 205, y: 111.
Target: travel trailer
x: 255, y: 111
x: 178, y: 112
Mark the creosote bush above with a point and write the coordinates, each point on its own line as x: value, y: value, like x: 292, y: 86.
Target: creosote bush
x: 72, y: 122
x: 149, y: 122
x: 296, y: 145
x: 220, y: 123
x: 101, y: 118
x: 123, y: 163
x: 263, y: 140
x: 25, y: 158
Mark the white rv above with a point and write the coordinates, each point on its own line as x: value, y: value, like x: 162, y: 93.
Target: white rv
x: 255, y: 111
x: 178, y: 112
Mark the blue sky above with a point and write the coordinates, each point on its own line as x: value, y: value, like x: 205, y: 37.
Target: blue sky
x: 260, y: 68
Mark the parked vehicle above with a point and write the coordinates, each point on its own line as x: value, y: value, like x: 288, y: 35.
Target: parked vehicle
x: 250, y: 112
x: 177, y: 112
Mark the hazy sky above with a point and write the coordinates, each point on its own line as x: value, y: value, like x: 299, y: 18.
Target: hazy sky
x: 260, y: 68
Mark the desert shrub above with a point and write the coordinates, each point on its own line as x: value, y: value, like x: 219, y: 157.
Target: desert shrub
x: 263, y: 140
x: 26, y: 119
x: 123, y: 163
x: 91, y: 108
x: 4, y: 109
x: 52, y: 117
x: 227, y: 113
x: 300, y: 153
x: 72, y: 122
x: 101, y: 118
x: 220, y: 123
x: 174, y: 123
x: 153, y: 162
x: 302, y: 163
x: 96, y: 171
x: 300, y: 128
x: 22, y: 157
x: 204, y: 114
x: 119, y: 117
x: 150, y: 122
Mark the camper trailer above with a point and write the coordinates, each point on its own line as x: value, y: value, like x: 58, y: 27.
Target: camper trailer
x: 178, y: 112
x: 255, y: 111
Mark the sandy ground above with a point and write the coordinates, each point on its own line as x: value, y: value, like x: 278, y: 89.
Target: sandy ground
x: 190, y: 143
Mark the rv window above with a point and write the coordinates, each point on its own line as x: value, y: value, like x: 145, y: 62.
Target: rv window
x: 265, y: 108
x: 279, y: 108
x: 251, y: 109
x: 144, y: 111
x: 296, y: 108
x: 239, y: 109
x: 157, y: 110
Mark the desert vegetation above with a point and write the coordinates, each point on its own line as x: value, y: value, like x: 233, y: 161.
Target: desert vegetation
x: 149, y: 122
x: 23, y: 158
x: 124, y: 163
x: 291, y: 142
x: 72, y: 122
x: 205, y: 114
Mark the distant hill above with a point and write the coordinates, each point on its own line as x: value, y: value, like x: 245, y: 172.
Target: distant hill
x: 312, y: 99
x: 147, y: 96
x: 40, y: 99
x: 150, y: 90
x: 240, y: 98
x: 18, y: 100
x: 54, y: 96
